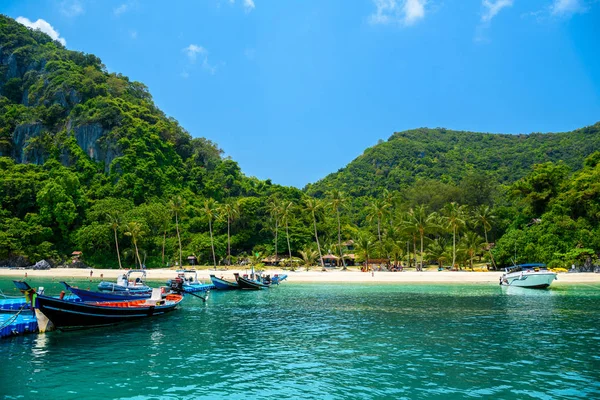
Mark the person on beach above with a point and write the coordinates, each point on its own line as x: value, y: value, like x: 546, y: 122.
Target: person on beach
x: 91, y: 272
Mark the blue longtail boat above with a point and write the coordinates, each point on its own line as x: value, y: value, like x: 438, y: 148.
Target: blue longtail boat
x: 222, y: 284
x: 89, y: 295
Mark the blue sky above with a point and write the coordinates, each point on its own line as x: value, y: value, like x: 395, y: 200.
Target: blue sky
x: 296, y: 89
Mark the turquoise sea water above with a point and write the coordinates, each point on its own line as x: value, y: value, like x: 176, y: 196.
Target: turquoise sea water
x: 327, y: 341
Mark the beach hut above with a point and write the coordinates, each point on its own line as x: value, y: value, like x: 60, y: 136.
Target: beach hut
x: 330, y: 260
x: 350, y: 259
x: 271, y: 260
x: 192, y: 260
x: 75, y: 256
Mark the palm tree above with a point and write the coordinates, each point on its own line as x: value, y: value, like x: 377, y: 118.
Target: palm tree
x: 230, y: 211
x: 484, y: 216
x: 210, y: 210
x: 437, y: 250
x: 177, y: 204
x: 337, y: 201
x: 286, y: 215
x: 364, y: 244
x: 454, y: 216
x: 313, y: 206
x: 471, y: 244
x: 113, y: 220
x: 397, y: 251
x: 309, y: 256
x: 134, y: 229
x: 377, y: 210
x: 274, y: 208
x: 419, y: 221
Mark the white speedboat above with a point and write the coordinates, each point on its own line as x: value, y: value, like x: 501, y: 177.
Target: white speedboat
x: 534, y: 276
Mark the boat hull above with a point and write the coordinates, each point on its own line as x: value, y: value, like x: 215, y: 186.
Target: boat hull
x: 196, y: 287
x: 250, y: 284
x: 222, y: 284
x: 533, y: 280
x: 88, y: 295
x: 69, y: 315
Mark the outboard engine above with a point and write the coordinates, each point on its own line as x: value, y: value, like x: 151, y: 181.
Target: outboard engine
x: 177, y: 284
x: 40, y: 290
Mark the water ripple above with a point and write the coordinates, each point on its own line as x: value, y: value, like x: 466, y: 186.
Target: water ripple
x: 328, y: 342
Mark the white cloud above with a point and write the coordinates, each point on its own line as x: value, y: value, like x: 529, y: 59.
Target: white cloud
x: 121, y: 9
x: 405, y: 12
x: 43, y: 26
x: 493, y: 7
x: 193, y: 50
x: 71, y: 8
x: 249, y: 5
x: 567, y: 7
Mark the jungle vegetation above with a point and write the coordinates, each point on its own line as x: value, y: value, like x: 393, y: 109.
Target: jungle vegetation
x: 89, y: 163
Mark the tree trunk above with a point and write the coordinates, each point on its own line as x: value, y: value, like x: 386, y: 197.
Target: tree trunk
x: 287, y: 235
x: 137, y: 253
x: 118, y: 254
x: 178, y: 238
x: 317, y: 239
x: 415, y: 249
x: 228, y: 242
x: 422, y: 234
x: 212, y: 245
x: 489, y: 250
x: 340, y: 238
x: 453, y: 246
x: 276, y: 231
x: 163, y: 247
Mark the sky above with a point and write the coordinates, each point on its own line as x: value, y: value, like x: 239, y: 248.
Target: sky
x: 296, y: 89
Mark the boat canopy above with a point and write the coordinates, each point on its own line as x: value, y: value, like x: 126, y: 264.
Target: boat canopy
x: 531, y: 265
x: 525, y: 267
x: 134, y: 271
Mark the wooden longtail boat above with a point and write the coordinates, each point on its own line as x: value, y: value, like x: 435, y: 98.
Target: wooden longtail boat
x: 246, y: 283
x: 222, y: 284
x: 88, y: 295
x: 69, y: 315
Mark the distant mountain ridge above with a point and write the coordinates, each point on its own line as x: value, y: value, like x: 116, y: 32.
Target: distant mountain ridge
x: 448, y: 155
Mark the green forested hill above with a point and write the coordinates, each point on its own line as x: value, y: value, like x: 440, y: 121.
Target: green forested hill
x: 85, y: 152
x: 89, y: 163
x: 449, y: 156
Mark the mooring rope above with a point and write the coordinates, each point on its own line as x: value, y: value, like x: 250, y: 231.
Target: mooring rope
x: 13, y: 318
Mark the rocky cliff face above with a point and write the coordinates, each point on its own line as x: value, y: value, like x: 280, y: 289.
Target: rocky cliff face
x: 22, y: 151
x: 93, y: 139
x: 27, y: 145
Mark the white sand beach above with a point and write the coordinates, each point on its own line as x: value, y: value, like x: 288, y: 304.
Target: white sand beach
x: 312, y: 276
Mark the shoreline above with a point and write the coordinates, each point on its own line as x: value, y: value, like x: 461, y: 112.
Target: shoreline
x: 329, y: 276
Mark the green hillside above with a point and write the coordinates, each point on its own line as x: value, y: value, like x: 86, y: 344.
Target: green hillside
x: 80, y: 147
x: 449, y: 156
x: 89, y: 163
